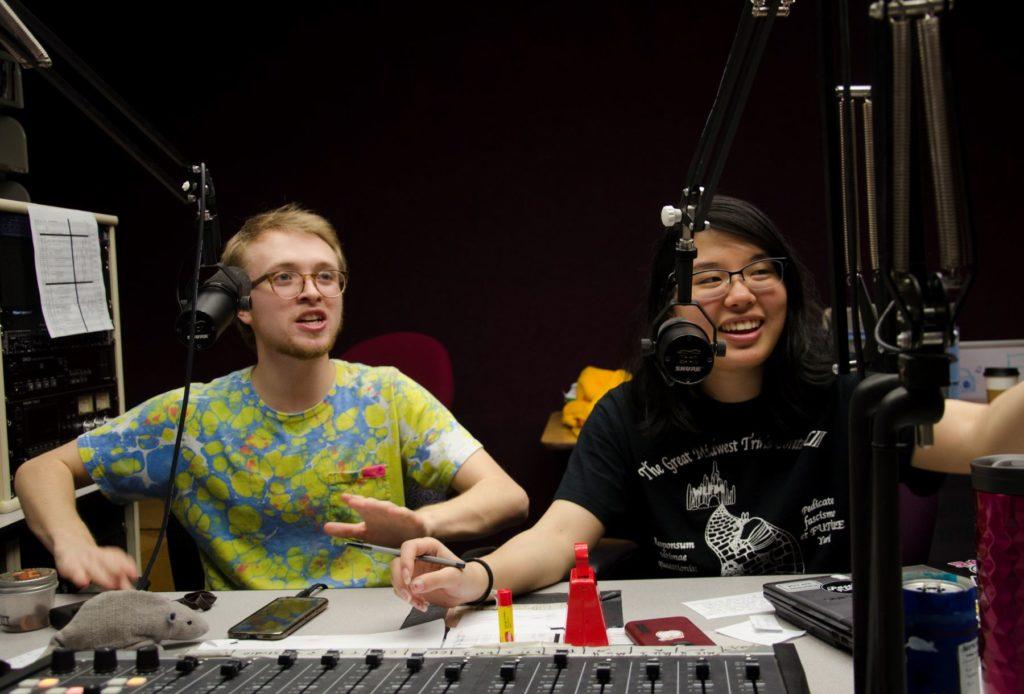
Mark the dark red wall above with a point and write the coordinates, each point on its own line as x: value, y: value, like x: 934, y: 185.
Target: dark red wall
x: 495, y: 169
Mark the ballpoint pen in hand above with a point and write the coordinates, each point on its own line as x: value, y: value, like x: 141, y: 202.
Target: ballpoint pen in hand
x: 429, y: 559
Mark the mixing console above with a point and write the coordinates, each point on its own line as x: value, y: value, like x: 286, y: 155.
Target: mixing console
x: 609, y: 670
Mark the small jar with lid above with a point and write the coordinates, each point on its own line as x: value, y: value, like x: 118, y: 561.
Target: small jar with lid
x: 26, y: 597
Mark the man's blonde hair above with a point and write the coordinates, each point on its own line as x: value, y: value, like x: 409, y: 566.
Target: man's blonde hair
x: 290, y: 217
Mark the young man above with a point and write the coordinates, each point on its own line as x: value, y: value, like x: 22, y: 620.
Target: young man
x: 280, y: 459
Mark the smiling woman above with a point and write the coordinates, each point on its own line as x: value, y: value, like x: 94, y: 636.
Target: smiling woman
x: 744, y: 473
x: 770, y: 323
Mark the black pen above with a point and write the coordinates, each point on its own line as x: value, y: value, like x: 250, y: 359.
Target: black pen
x: 429, y: 559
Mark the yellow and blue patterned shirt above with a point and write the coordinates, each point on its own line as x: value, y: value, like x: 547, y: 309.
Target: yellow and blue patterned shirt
x: 254, y: 486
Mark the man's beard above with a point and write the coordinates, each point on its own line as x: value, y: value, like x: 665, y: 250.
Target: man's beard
x: 305, y: 352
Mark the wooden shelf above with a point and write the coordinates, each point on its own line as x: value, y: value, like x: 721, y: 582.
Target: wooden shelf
x: 557, y: 436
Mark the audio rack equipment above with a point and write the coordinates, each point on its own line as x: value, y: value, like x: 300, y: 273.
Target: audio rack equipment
x: 505, y: 670
x: 53, y: 389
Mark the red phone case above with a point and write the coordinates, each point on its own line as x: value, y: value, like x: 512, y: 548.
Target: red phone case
x: 666, y: 631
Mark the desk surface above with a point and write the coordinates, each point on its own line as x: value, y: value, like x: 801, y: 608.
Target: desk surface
x: 377, y: 609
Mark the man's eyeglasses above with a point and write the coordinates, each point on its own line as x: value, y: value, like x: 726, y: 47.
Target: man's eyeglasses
x: 758, y: 276
x: 288, y: 284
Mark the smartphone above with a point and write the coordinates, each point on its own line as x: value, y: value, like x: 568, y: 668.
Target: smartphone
x: 666, y: 631
x: 278, y: 618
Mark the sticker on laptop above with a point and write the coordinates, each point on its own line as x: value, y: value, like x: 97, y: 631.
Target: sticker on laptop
x: 839, y: 587
x: 799, y: 586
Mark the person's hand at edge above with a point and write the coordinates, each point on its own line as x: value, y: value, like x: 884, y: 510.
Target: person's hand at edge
x: 83, y: 563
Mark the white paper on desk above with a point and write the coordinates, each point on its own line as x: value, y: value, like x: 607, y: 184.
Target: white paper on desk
x: 69, y: 270
x: 617, y: 636
x: 745, y: 631
x: 731, y: 605
x: 26, y: 659
x: 533, y: 622
x: 426, y: 635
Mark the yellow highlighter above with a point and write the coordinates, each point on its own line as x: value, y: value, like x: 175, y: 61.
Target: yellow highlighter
x: 506, y: 629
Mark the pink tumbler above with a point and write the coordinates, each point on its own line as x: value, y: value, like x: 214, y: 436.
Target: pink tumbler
x: 998, y: 483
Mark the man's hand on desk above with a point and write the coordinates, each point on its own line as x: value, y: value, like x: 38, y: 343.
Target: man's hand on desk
x: 421, y: 584
x: 83, y: 562
x: 384, y: 523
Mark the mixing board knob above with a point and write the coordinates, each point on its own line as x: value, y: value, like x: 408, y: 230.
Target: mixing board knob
x: 374, y: 657
x: 147, y: 659
x: 508, y: 671
x: 287, y: 659
x: 604, y: 673
x: 414, y: 663
x: 329, y: 660
x: 92, y: 689
x: 561, y: 659
x: 104, y: 660
x: 230, y: 669
x: 653, y: 670
x: 62, y: 660
x: 452, y: 672
x: 702, y: 670
x: 753, y: 670
x: 186, y: 664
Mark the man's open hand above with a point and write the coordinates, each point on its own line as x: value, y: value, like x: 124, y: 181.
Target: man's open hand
x: 384, y: 523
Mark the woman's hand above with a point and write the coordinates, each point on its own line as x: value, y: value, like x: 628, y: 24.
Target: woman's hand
x: 421, y: 584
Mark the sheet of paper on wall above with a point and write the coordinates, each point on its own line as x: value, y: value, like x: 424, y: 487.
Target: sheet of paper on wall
x: 69, y: 270
x: 533, y: 622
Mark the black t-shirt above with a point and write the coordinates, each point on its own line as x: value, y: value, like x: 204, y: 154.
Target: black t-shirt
x: 732, y: 499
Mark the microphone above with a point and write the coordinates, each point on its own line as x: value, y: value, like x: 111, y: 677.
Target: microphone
x: 683, y: 351
x: 220, y: 298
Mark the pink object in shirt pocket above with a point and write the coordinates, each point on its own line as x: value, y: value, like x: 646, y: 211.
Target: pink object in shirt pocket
x: 374, y: 471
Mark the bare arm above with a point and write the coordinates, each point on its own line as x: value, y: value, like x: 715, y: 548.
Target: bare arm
x: 488, y: 500
x: 969, y: 430
x: 532, y: 559
x: 46, y: 487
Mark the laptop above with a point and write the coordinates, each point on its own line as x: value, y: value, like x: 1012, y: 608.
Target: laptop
x: 821, y: 605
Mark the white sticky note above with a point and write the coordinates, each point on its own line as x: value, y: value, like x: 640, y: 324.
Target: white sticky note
x: 765, y: 622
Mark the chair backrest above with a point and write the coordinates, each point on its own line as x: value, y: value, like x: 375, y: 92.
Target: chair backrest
x: 420, y: 357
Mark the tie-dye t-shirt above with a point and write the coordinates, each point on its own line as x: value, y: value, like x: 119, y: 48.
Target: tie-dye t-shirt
x: 254, y: 486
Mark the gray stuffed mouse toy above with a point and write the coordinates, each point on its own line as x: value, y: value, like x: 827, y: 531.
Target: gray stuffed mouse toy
x: 129, y: 619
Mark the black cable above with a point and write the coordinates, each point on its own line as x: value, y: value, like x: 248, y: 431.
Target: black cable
x: 724, y: 95
x: 143, y: 582
x: 723, y: 121
x: 96, y: 82
x: 110, y: 130
x: 746, y: 77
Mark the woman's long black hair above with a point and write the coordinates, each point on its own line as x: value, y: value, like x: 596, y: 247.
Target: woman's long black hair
x: 801, y: 362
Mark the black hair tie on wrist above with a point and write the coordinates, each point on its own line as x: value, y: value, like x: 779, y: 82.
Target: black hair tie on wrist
x: 490, y: 583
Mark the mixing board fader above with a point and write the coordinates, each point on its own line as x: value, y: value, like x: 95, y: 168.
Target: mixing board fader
x: 524, y: 670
